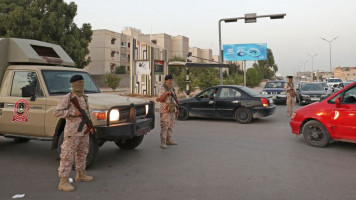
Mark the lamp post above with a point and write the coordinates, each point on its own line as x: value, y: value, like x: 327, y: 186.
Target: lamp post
x: 330, y: 49
x: 304, y: 62
x: 249, y: 18
x: 312, y: 57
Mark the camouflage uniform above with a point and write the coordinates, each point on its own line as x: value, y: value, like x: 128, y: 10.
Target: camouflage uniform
x: 75, y: 144
x: 167, y: 114
x: 290, y: 99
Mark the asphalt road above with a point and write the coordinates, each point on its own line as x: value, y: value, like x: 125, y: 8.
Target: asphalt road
x: 215, y: 159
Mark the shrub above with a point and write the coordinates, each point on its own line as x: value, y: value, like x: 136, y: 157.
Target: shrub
x: 111, y: 81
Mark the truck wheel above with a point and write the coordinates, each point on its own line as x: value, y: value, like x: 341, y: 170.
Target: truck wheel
x: 93, y: 149
x: 315, y: 134
x: 129, y: 144
x: 243, y: 115
x: 21, y: 140
x: 183, y: 114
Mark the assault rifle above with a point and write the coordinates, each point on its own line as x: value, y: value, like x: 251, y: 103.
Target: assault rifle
x: 174, y: 96
x: 85, y: 118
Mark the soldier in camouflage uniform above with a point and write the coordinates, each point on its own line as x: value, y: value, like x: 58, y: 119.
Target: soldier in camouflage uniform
x: 76, y: 143
x: 289, y: 88
x: 168, y: 109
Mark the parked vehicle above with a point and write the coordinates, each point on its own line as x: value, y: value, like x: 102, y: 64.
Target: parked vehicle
x: 276, y: 89
x: 231, y: 101
x: 332, y: 119
x: 332, y: 82
x: 340, y: 86
x: 34, y: 78
x: 308, y: 92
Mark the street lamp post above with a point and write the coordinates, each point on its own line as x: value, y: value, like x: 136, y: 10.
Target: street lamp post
x: 312, y: 57
x: 249, y: 18
x: 304, y: 62
x: 330, y: 49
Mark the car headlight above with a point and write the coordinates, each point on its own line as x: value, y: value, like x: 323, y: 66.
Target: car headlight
x: 147, y: 108
x: 114, y: 115
x: 305, y: 96
x: 263, y: 92
x: 99, y: 114
x: 284, y: 93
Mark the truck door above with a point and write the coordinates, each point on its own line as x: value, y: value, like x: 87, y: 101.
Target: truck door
x: 22, y: 113
x: 343, y: 121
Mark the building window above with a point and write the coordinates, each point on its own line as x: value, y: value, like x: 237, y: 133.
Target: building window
x: 128, y: 45
x: 123, y: 44
x: 112, y: 67
x: 154, y: 41
x: 113, y: 40
x: 123, y: 56
x: 113, y: 53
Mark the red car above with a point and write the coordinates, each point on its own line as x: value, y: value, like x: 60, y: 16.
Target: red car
x: 332, y: 119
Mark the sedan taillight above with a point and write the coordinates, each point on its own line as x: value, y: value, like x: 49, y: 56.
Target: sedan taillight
x: 264, y: 102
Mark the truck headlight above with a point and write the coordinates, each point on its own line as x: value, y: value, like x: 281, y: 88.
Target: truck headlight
x: 114, y: 115
x: 305, y: 96
x: 147, y: 108
x: 263, y: 92
x: 283, y: 93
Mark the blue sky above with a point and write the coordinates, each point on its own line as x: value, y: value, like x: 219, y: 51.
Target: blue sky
x: 290, y: 39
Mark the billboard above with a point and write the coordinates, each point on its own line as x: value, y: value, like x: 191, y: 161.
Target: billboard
x: 241, y: 52
x: 142, y: 67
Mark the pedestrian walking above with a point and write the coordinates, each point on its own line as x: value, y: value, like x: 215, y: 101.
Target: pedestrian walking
x: 76, y: 141
x: 289, y: 88
x: 168, y: 110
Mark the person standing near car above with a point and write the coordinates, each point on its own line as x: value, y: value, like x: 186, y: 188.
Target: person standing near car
x: 289, y: 88
x: 76, y: 143
x: 168, y: 109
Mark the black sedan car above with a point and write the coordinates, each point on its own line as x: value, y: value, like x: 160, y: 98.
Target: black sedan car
x: 308, y: 92
x: 228, y: 101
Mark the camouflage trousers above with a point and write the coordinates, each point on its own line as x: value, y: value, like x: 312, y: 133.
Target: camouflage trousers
x: 168, y: 120
x: 290, y: 105
x: 73, y: 147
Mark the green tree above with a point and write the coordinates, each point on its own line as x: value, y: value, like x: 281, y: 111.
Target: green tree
x: 268, y: 67
x: 175, y: 70
x: 111, y: 80
x: 120, y: 70
x: 253, y: 77
x: 234, y: 79
x: 49, y: 21
x: 205, y: 77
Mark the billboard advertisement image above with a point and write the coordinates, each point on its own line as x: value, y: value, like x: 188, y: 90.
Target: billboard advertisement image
x: 241, y: 52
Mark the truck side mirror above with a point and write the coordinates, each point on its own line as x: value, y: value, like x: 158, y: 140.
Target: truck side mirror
x: 337, y: 102
x: 33, y: 97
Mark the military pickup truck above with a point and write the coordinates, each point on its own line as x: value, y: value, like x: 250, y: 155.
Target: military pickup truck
x: 35, y: 75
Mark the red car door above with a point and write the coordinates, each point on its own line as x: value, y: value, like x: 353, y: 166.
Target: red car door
x: 344, y: 115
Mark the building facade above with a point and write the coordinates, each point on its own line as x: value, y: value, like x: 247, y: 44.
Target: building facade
x: 345, y: 73
x: 108, y: 50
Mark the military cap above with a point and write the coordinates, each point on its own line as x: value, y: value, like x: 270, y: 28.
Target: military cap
x: 76, y: 78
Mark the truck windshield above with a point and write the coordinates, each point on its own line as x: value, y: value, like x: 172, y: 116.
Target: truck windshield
x: 57, y: 82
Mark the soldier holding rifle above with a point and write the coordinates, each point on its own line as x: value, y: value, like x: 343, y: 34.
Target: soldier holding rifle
x: 168, y: 109
x: 75, y: 109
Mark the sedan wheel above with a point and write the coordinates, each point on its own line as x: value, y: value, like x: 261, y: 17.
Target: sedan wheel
x: 243, y: 115
x: 315, y: 134
x: 183, y: 113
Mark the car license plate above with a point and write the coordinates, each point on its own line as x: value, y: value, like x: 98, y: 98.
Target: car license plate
x: 315, y: 99
x: 274, y: 97
x: 142, y: 131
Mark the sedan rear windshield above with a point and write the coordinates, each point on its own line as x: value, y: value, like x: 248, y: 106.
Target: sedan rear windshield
x: 58, y: 82
x: 334, y: 80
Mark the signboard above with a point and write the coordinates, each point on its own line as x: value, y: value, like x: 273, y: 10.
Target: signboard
x: 142, y: 67
x: 158, y: 67
x: 255, y: 51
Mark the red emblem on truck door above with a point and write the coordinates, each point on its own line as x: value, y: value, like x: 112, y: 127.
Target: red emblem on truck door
x: 20, y: 111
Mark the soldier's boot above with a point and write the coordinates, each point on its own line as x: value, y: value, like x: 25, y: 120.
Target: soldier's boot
x: 170, y: 142
x: 163, y: 144
x: 65, y: 185
x: 82, y: 176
